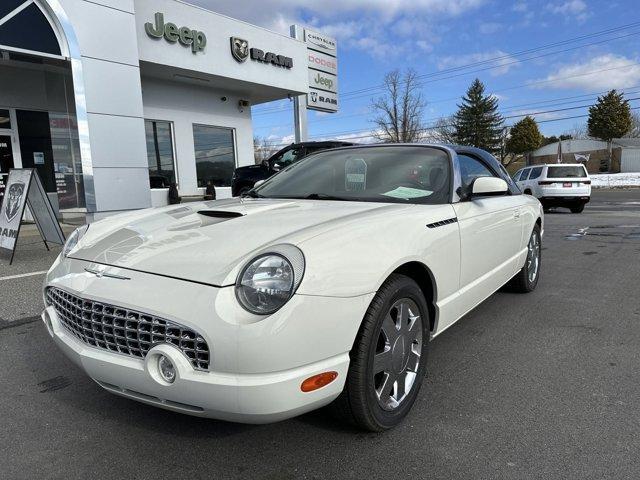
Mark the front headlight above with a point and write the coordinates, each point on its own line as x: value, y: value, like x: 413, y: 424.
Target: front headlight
x: 73, y: 239
x: 269, y: 280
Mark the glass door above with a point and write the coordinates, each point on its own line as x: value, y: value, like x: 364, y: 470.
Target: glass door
x: 9, y: 150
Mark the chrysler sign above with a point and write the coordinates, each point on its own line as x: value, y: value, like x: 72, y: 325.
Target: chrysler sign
x: 320, y: 42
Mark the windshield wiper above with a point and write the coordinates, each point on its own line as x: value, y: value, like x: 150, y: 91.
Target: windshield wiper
x: 252, y: 194
x: 324, y: 196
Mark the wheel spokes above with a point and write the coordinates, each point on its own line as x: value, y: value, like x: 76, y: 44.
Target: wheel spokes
x: 383, y: 361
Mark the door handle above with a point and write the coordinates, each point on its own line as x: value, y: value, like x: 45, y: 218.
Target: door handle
x: 516, y: 214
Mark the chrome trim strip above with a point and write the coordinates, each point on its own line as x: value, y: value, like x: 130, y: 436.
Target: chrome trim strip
x: 71, y: 49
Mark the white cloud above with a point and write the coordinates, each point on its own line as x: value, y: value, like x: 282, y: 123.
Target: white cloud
x: 574, y: 8
x: 503, y: 63
x: 378, y: 27
x: 599, y: 73
x: 520, y: 7
x: 490, y: 27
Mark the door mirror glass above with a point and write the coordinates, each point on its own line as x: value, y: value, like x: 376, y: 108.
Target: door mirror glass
x: 483, y: 186
x: 258, y: 183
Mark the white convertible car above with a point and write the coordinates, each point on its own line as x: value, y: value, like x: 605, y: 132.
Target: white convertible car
x: 325, y: 284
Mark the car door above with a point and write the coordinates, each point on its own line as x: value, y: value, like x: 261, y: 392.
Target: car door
x: 490, y: 236
x: 524, y: 180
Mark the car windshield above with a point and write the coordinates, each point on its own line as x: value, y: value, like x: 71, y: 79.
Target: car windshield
x: 567, y: 171
x: 398, y: 174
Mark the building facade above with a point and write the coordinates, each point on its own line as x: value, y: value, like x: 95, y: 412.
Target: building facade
x: 111, y: 101
x: 625, y: 154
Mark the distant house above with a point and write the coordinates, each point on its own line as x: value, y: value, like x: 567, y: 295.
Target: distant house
x: 625, y: 154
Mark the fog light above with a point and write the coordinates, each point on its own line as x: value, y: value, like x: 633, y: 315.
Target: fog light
x: 166, y: 369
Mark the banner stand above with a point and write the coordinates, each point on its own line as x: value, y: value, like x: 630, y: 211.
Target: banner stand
x: 23, y: 189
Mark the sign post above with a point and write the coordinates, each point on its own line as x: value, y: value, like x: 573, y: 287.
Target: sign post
x: 23, y: 188
x: 322, y: 66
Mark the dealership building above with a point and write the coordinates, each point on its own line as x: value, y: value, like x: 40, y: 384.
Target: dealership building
x: 111, y: 101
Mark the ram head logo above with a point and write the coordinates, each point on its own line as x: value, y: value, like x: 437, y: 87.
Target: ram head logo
x: 13, y: 200
x: 239, y: 49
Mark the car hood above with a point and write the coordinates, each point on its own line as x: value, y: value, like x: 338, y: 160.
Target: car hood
x: 206, y: 241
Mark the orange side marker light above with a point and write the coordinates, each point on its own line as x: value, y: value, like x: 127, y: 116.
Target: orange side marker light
x: 318, y: 381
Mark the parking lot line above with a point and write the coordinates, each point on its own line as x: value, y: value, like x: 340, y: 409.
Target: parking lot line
x: 30, y: 274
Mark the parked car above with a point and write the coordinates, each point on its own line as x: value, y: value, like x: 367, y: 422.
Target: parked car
x: 325, y: 284
x: 556, y: 185
x: 244, y: 178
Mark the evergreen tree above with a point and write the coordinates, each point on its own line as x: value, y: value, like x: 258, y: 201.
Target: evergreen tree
x: 477, y: 121
x: 524, y: 137
x: 610, y: 118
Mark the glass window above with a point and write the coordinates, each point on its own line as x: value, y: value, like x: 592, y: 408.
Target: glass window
x: 516, y: 177
x: 5, y: 120
x: 389, y: 174
x: 215, y: 155
x: 286, y: 158
x: 160, y: 153
x: 472, y: 168
x: 566, y: 171
x: 525, y: 174
x: 535, y: 173
x: 29, y: 30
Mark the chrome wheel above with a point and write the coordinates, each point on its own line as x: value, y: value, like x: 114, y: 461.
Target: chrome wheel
x: 533, y: 257
x: 398, y: 351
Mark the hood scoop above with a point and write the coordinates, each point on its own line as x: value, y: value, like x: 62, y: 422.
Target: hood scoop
x: 220, y: 214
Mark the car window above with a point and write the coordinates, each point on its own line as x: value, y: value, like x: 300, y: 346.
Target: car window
x: 287, y: 158
x: 561, y: 171
x: 525, y: 174
x: 535, y: 173
x: 396, y: 174
x: 516, y: 177
x: 472, y: 168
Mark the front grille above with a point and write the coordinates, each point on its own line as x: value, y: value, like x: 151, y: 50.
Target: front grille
x: 123, y: 330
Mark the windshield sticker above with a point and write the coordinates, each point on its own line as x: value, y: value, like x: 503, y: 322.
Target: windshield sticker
x: 355, y: 175
x: 407, y: 193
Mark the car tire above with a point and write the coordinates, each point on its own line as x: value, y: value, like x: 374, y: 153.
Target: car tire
x: 577, y: 208
x: 377, y: 401
x: 526, y: 279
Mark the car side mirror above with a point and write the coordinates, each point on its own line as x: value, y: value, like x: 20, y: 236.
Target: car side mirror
x: 265, y: 163
x: 487, y: 186
x: 258, y: 183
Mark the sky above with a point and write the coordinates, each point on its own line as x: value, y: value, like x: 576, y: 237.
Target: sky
x: 547, y: 58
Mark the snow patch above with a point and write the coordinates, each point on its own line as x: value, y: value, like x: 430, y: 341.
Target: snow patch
x: 615, y: 180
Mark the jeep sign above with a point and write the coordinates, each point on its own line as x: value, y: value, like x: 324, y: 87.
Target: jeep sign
x: 172, y: 33
x: 323, y: 81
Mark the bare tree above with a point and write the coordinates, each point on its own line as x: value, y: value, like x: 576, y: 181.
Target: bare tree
x: 635, y: 125
x: 400, y: 110
x: 578, y: 132
x: 443, y: 130
x: 262, y: 149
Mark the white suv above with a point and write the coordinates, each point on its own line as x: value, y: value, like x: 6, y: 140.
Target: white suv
x: 556, y: 185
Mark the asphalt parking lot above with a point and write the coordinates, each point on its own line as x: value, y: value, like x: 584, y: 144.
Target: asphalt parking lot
x: 544, y: 385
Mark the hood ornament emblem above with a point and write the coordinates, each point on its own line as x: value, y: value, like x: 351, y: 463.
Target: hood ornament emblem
x: 100, y: 272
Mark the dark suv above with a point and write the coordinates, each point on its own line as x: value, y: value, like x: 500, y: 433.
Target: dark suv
x: 244, y: 178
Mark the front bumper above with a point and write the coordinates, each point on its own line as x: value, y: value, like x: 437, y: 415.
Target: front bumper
x: 257, y: 367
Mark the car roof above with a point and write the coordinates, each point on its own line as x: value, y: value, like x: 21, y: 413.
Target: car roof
x: 326, y: 143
